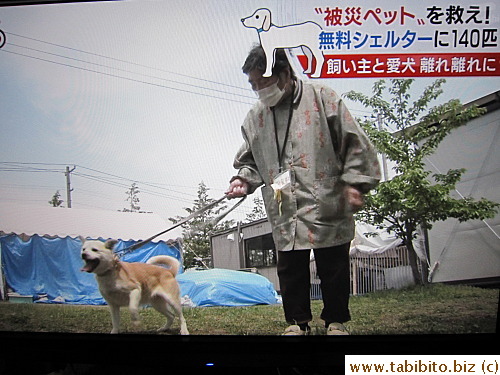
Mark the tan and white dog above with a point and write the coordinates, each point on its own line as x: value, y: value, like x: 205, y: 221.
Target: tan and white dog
x: 134, y: 284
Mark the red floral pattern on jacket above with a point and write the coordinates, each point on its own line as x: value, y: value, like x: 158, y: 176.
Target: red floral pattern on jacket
x: 326, y: 149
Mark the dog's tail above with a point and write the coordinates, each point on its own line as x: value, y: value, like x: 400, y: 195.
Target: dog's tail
x: 172, y: 263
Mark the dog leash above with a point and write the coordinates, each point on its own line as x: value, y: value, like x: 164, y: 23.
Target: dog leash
x: 133, y: 247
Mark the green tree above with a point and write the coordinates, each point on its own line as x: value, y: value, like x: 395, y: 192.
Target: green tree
x: 258, y: 211
x: 196, y: 232
x: 133, y: 198
x: 415, y: 197
x: 56, y: 200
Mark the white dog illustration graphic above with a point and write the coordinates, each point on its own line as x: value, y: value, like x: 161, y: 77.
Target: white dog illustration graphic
x: 303, y: 35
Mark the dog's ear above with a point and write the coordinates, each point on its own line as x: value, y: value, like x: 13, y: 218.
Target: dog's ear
x: 266, y: 24
x: 82, y: 239
x: 109, y: 244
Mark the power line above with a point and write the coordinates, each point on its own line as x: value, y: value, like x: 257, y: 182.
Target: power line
x: 31, y: 170
x: 101, y: 177
x: 123, y: 185
x: 128, y: 179
x: 10, y: 166
x: 30, y: 163
x: 251, y: 97
x: 128, y: 71
x: 126, y: 78
x: 129, y: 62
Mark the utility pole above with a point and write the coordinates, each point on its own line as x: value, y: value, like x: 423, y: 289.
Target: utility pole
x: 68, y: 185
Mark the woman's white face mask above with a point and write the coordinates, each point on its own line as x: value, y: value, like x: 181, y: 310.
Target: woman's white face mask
x: 271, y: 95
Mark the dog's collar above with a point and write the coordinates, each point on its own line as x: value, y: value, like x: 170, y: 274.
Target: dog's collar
x: 262, y: 29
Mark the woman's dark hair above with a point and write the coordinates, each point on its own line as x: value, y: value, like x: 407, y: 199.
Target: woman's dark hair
x: 256, y: 59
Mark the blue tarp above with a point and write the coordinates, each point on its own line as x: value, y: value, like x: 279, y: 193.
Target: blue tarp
x: 44, y: 266
x: 221, y: 287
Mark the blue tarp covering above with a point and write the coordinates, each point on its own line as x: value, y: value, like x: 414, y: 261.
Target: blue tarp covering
x: 42, y: 266
x: 221, y: 287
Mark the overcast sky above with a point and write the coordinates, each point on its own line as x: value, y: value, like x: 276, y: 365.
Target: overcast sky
x: 147, y: 91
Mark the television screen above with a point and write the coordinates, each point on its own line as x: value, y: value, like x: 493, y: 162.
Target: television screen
x: 125, y: 120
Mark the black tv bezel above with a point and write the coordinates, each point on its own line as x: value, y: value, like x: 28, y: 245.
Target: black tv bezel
x: 29, y: 350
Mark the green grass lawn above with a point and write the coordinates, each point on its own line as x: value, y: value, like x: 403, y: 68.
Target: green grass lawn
x: 431, y: 309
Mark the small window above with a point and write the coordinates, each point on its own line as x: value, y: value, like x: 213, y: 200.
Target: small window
x: 260, y: 251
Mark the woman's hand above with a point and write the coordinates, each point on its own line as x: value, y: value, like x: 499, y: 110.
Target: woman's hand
x: 354, y: 198
x: 237, y: 188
